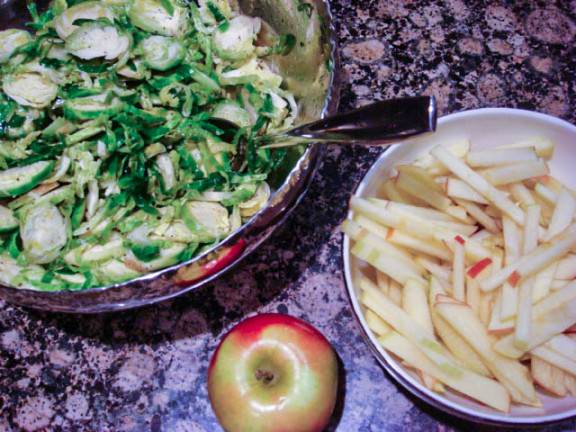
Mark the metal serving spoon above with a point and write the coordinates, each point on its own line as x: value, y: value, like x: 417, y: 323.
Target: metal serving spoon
x: 375, y: 124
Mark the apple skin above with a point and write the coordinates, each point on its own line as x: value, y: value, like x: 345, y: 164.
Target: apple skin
x: 273, y: 373
x: 195, y: 272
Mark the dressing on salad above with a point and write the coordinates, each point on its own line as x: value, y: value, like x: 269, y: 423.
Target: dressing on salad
x: 109, y: 165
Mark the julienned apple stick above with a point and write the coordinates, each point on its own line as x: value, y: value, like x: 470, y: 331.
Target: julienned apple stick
x: 544, y: 327
x: 477, y: 387
x: 416, y: 346
x: 529, y: 264
x: 453, y: 341
x: 511, y: 373
x: 479, y: 183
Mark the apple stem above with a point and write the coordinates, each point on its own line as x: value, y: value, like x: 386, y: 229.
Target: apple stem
x: 264, y: 375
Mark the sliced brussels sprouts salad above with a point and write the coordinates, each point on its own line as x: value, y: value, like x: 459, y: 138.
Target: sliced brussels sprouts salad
x: 109, y: 165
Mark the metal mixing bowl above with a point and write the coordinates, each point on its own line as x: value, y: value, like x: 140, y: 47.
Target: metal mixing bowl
x: 309, y: 71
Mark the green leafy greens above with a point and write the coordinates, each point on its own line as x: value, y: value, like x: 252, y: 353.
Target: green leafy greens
x: 110, y: 166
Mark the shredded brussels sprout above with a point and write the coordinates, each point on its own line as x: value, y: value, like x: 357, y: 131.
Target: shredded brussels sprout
x: 162, y: 53
x: 235, y: 41
x: 93, y: 40
x: 109, y: 164
x: 10, y: 41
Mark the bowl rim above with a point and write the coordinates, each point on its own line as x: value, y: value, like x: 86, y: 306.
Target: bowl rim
x: 388, y: 363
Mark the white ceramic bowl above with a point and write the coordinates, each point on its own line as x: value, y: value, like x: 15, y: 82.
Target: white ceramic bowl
x: 485, y: 128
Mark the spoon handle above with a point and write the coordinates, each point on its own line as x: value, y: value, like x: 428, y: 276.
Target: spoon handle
x: 374, y: 124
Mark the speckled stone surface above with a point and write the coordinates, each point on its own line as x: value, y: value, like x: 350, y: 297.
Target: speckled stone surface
x: 146, y: 370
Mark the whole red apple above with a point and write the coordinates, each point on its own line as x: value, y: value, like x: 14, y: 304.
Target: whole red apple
x: 273, y: 373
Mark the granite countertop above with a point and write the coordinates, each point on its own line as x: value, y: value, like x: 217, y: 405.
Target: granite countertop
x: 146, y: 369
